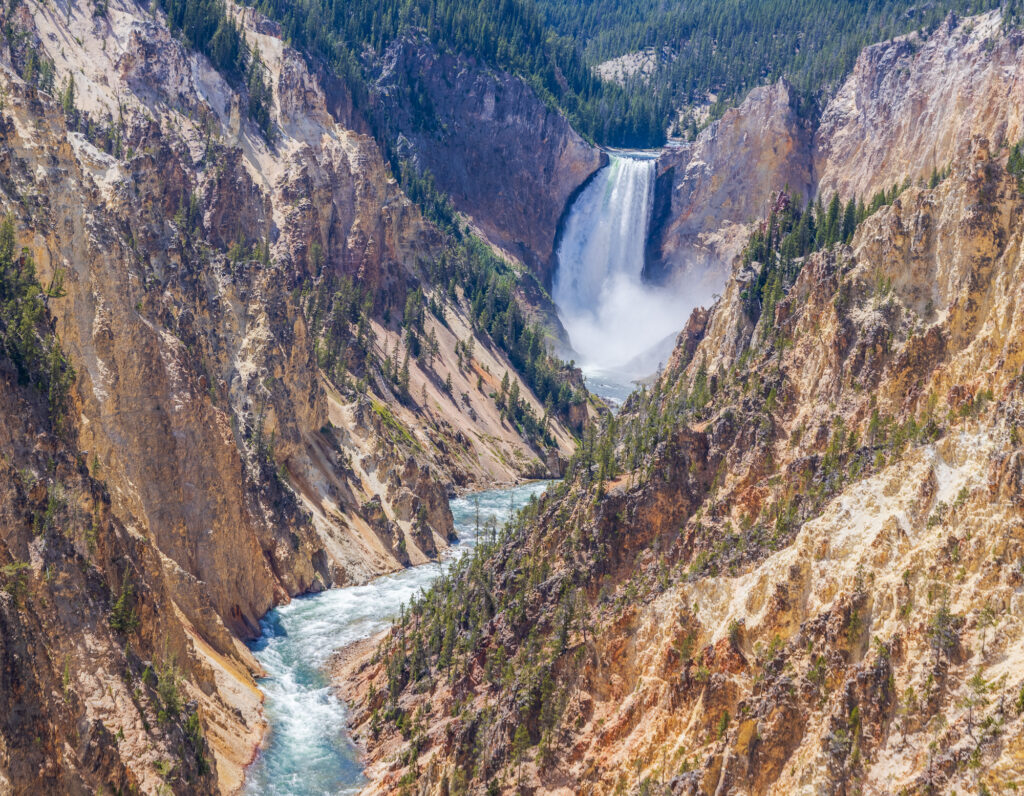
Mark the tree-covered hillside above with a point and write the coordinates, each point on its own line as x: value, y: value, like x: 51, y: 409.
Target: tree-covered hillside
x: 727, y: 47
x: 721, y: 46
x: 509, y: 34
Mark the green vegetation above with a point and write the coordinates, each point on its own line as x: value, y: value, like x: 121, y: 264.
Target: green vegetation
x: 509, y: 35
x: 728, y: 48
x: 944, y: 631
x: 724, y: 48
x: 123, y: 617
x: 723, y: 725
x: 791, y: 233
x: 1015, y: 164
x: 521, y: 606
x: 49, y: 519
x: 168, y: 688
x: 396, y: 429
x: 197, y: 742
x: 434, y: 637
x: 1013, y: 14
x: 488, y: 285
x: 14, y: 580
x: 339, y: 312
x: 33, y: 66
x: 205, y: 26
x: 712, y: 47
x: 27, y: 336
x: 468, y: 274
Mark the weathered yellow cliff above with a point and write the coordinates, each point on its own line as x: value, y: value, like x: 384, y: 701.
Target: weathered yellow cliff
x: 236, y: 469
x: 794, y: 565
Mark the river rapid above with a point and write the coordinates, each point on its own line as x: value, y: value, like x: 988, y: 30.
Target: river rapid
x: 307, y: 749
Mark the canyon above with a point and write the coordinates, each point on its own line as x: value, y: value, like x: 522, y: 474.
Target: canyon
x: 793, y: 563
x: 267, y: 339
x: 219, y: 453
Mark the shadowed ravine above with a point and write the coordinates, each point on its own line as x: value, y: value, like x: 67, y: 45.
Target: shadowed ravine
x: 307, y: 749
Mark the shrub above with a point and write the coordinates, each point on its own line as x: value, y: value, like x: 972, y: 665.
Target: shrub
x: 14, y: 580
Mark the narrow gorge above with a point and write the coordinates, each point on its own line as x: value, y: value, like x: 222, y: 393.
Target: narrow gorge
x: 308, y: 749
x: 450, y: 398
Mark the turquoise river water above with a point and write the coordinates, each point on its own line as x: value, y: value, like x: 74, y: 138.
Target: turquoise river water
x: 307, y: 750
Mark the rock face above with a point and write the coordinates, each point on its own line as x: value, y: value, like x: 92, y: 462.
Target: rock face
x: 81, y: 710
x: 507, y: 160
x: 211, y: 467
x: 708, y: 191
x: 912, y: 104
x: 806, y: 577
x: 909, y: 107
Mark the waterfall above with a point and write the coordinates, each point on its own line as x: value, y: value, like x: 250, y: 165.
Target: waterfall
x: 616, y: 323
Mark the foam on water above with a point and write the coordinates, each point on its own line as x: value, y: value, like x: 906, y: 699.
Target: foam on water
x: 620, y: 326
x: 307, y: 749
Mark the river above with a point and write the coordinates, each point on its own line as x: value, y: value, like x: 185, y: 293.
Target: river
x: 307, y: 749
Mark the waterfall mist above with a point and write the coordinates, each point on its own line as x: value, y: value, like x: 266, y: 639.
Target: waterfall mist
x: 620, y: 327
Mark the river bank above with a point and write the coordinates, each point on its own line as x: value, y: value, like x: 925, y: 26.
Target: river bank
x: 307, y: 747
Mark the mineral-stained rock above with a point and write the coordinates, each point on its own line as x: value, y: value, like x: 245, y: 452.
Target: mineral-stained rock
x: 708, y: 191
x: 507, y: 159
x: 805, y: 576
x: 913, y: 104
x: 209, y: 467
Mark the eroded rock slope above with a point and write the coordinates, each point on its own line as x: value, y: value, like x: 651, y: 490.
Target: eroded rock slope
x: 279, y: 381
x: 793, y: 565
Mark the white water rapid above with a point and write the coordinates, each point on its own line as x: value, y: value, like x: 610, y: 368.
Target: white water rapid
x: 307, y: 749
x: 620, y: 327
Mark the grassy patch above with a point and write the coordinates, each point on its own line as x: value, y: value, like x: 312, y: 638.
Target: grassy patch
x: 394, y: 427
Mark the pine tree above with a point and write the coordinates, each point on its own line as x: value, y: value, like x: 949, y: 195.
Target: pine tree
x: 403, y: 377
x: 849, y: 221
x: 832, y: 228
x: 432, y: 347
x: 520, y: 745
x: 67, y: 99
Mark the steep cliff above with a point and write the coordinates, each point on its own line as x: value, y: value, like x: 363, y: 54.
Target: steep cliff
x: 792, y: 566
x: 508, y: 160
x: 266, y: 404
x: 92, y: 643
x: 911, y: 104
x: 710, y: 190
x: 905, y: 111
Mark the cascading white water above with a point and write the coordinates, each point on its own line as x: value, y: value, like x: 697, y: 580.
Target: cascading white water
x: 617, y: 324
x: 308, y: 749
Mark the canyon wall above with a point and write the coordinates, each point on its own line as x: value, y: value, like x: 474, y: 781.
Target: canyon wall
x: 912, y: 104
x: 793, y: 565
x: 909, y: 107
x: 710, y: 190
x: 507, y: 159
x: 211, y: 465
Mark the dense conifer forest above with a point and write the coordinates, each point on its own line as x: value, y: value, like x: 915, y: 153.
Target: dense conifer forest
x: 508, y: 35
x: 27, y: 338
x: 708, y: 48
x: 727, y: 47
